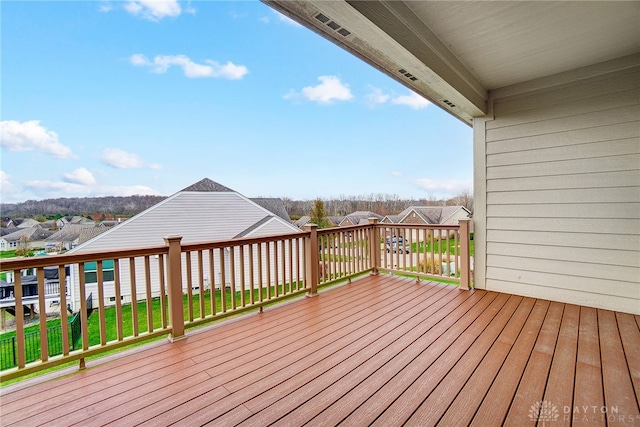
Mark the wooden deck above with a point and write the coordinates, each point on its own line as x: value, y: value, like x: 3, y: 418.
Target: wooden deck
x: 380, y: 351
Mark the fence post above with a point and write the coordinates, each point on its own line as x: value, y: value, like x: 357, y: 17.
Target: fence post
x: 312, y: 262
x: 174, y: 275
x: 464, y: 254
x: 374, y: 245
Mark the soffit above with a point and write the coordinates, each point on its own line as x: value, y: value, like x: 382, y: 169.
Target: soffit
x: 504, y: 43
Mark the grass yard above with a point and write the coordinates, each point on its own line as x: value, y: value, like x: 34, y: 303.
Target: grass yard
x: 33, y: 343
x: 450, y: 245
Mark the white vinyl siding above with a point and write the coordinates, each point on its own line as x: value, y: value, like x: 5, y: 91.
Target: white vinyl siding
x: 562, y: 179
x: 197, y: 217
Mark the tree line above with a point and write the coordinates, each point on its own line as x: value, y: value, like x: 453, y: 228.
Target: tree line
x: 383, y: 204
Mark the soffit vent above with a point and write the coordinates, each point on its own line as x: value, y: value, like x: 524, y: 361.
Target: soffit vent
x: 332, y: 24
x: 320, y: 17
x: 407, y: 74
x: 449, y: 103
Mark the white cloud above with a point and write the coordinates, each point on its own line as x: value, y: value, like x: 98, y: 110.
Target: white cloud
x: 155, y: 10
x: 139, y: 60
x: 396, y: 173
x: 128, y: 190
x: 105, y: 6
x: 47, y: 189
x: 212, y: 69
x: 5, y: 184
x: 330, y: 89
x: 286, y: 20
x: 376, y: 97
x: 412, y: 100
x: 31, y: 136
x: 443, y: 187
x: 121, y: 159
x: 80, y: 176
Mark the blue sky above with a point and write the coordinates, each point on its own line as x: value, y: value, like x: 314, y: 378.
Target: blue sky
x: 115, y: 98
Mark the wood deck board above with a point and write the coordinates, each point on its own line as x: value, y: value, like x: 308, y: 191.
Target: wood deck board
x: 630, y: 335
x: 560, y: 384
x: 445, y: 350
x: 332, y: 338
x: 382, y: 350
x: 299, y: 389
x: 618, y: 387
x: 492, y: 407
x: 588, y: 385
x: 489, y: 348
x: 435, y: 377
x: 434, y: 342
x: 364, y: 364
x: 534, y: 379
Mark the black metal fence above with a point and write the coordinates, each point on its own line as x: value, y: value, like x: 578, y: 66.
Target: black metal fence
x: 8, y: 346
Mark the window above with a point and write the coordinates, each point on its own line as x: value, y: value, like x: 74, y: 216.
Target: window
x: 91, y: 271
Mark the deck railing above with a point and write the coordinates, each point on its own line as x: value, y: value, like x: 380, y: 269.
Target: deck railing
x: 140, y: 294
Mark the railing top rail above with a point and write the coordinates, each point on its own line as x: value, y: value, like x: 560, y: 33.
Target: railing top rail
x: 426, y: 226
x: 343, y: 228
x: 216, y: 244
x: 75, y: 258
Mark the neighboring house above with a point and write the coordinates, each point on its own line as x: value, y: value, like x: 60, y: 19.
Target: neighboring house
x: 304, y: 220
x: 358, y: 217
x: 76, y: 219
x: 391, y: 219
x: 35, y: 237
x: 211, y: 212
x: 334, y: 221
x: 429, y: 215
x: 434, y: 215
x: 22, y: 223
x: 68, y: 237
x: 49, y: 224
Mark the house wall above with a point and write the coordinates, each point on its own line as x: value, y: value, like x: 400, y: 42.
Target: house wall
x: 557, y: 188
x: 276, y: 258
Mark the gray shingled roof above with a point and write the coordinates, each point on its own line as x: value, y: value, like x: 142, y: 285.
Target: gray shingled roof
x: 273, y: 204
x: 207, y: 185
x: 431, y: 214
x: 335, y: 220
x: 68, y: 233
x: 255, y: 226
x: 89, y: 233
x: 32, y: 234
x: 302, y: 221
x: 362, y: 217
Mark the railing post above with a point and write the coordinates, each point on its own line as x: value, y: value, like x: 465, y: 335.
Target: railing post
x: 312, y: 262
x: 174, y: 275
x: 464, y: 254
x: 374, y: 245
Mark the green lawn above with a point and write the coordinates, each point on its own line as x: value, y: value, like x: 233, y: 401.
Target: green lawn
x: 7, y: 254
x: 426, y: 247
x: 33, y: 344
